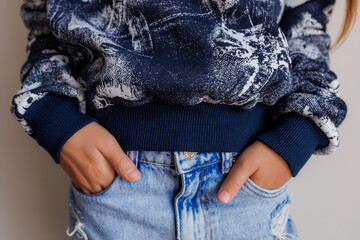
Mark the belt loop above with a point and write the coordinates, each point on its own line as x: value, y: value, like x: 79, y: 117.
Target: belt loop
x: 225, y: 162
x: 136, y: 158
x: 133, y: 155
x: 178, y: 167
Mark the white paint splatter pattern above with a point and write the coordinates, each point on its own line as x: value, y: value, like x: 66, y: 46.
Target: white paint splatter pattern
x: 217, y: 51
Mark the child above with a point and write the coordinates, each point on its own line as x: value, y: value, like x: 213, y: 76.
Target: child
x: 180, y: 119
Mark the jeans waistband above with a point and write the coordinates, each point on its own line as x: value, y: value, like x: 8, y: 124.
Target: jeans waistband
x: 181, y: 161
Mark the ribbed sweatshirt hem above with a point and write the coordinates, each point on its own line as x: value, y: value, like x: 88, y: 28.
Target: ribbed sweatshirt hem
x: 203, y: 127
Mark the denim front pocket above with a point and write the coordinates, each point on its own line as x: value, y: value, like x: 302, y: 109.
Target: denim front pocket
x: 131, y: 210
x: 252, y: 188
x: 99, y: 194
x: 249, y: 215
x: 263, y: 192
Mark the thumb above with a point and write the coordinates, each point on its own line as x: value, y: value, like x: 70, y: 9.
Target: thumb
x: 234, y: 181
x: 121, y: 163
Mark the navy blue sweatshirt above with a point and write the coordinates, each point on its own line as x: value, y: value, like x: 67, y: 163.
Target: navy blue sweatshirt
x: 182, y: 75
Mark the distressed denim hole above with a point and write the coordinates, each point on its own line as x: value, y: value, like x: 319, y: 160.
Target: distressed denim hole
x: 78, y: 227
x: 279, y: 221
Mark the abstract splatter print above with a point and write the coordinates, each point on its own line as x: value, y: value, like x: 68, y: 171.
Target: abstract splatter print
x: 236, y: 52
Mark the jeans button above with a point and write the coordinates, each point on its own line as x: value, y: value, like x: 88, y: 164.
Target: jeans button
x: 190, y: 155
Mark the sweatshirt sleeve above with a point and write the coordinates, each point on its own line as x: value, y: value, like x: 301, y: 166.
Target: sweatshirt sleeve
x: 50, y: 104
x: 306, y: 120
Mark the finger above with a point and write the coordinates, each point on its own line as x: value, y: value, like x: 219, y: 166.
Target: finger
x: 85, y: 180
x: 82, y: 180
x: 84, y: 190
x: 96, y: 188
x: 234, y: 181
x: 102, y: 173
x: 106, y: 181
x: 77, y: 178
x: 80, y: 188
x: 120, y: 162
x: 76, y: 185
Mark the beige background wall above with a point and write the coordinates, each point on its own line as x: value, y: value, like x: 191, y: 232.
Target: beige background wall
x: 33, y: 199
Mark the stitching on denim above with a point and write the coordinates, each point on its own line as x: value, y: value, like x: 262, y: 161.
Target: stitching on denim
x: 201, y: 182
x: 206, y: 203
x: 177, y: 198
x: 146, y: 161
x: 77, y: 210
x: 272, y: 196
x: 202, y: 165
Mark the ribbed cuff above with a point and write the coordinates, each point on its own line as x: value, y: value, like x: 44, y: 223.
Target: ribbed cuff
x: 54, y: 119
x: 295, y: 138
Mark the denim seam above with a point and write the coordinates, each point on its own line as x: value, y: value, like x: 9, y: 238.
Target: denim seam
x: 177, y: 210
x: 200, y: 188
x: 77, y: 210
x: 206, y: 203
x: 201, y: 165
x: 152, y: 162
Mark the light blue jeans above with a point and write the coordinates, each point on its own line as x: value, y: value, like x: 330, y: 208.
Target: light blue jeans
x: 176, y: 198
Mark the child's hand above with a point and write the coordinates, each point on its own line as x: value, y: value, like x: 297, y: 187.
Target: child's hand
x: 91, y: 156
x: 263, y: 165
